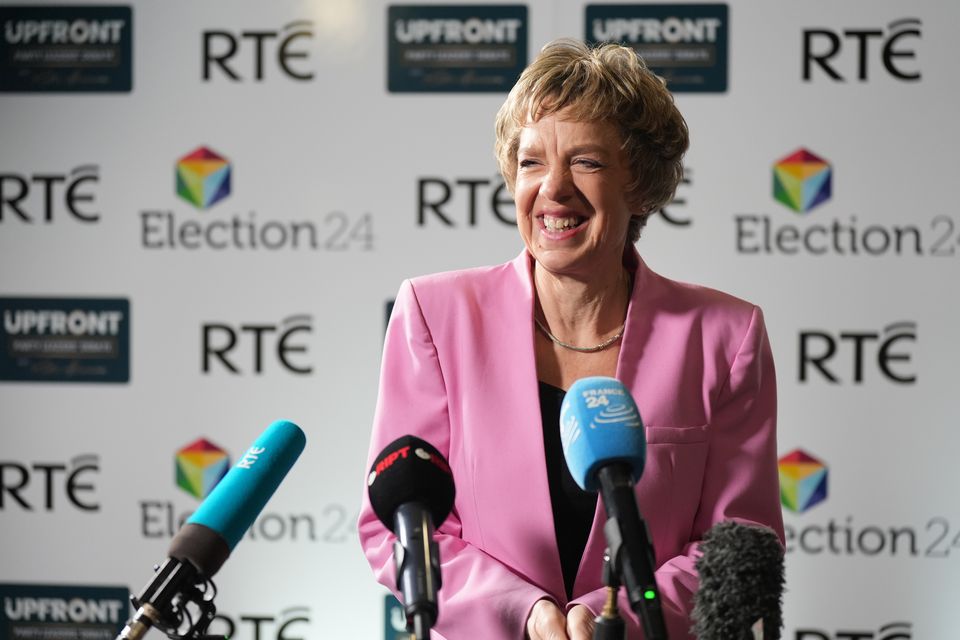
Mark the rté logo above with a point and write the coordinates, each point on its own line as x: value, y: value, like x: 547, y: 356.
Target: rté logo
x: 52, y: 189
x: 822, y: 46
x: 221, y: 342
x: 842, y: 357
x: 220, y: 48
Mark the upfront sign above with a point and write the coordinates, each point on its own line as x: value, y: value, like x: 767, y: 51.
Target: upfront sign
x: 686, y: 44
x: 451, y: 48
x: 73, y: 48
x: 36, y: 612
x: 65, y: 339
x: 470, y: 31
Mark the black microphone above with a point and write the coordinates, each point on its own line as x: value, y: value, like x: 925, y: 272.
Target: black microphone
x: 605, y: 448
x: 179, y: 598
x: 741, y: 584
x: 411, y: 491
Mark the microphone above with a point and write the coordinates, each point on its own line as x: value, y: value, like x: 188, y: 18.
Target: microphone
x: 605, y: 448
x: 411, y: 491
x: 177, y: 600
x: 741, y: 584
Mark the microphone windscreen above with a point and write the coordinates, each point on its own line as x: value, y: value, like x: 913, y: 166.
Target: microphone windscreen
x: 741, y: 581
x: 410, y: 470
x: 239, y: 497
x: 210, y: 534
x: 600, y: 424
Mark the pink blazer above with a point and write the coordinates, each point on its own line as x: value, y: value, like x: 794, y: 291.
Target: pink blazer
x: 459, y: 371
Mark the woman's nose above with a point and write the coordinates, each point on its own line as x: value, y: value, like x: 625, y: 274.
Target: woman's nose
x: 557, y: 184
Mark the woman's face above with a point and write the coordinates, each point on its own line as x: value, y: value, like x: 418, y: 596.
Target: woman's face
x: 571, y: 195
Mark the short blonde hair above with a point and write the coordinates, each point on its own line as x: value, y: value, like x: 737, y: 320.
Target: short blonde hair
x: 612, y: 83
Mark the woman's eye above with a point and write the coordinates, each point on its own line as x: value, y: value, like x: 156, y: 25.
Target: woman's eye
x: 587, y: 163
x: 526, y: 163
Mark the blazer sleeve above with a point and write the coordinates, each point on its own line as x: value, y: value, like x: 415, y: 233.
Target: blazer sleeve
x: 740, y: 480
x: 480, y: 597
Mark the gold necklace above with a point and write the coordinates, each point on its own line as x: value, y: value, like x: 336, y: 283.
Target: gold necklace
x: 600, y: 347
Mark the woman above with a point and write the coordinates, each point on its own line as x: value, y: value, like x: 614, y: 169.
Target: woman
x: 476, y: 361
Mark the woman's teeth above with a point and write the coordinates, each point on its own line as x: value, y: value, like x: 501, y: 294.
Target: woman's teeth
x: 553, y: 223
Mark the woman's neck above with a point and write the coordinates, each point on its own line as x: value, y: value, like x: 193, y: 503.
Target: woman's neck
x: 582, y: 311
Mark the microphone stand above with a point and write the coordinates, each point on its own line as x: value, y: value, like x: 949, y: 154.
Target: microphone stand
x: 629, y: 542
x: 418, y: 567
x: 421, y: 627
x: 609, y: 624
x: 178, y: 601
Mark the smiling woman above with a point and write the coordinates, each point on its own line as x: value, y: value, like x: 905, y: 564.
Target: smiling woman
x: 571, y: 195
x: 477, y: 362
x: 608, y: 85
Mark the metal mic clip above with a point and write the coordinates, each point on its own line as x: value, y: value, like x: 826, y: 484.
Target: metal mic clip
x: 178, y: 602
x: 609, y: 624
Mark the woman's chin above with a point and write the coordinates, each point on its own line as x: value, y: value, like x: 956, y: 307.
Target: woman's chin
x: 565, y: 261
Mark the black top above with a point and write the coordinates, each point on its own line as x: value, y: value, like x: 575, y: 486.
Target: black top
x: 573, y: 508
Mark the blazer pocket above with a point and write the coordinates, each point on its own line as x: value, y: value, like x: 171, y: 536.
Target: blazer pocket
x: 676, y: 435
x: 669, y: 490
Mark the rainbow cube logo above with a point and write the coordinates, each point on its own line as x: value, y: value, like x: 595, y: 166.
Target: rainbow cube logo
x: 200, y: 466
x: 203, y: 178
x: 803, y: 481
x: 802, y: 180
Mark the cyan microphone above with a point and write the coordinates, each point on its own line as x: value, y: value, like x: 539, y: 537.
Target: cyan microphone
x: 741, y: 584
x: 179, y: 598
x: 411, y: 491
x: 605, y: 447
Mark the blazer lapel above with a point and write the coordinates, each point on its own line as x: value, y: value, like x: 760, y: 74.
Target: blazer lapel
x: 515, y: 435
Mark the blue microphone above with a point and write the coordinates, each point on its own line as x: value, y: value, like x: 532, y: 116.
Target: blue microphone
x: 605, y: 448
x: 178, y: 597
x: 600, y: 424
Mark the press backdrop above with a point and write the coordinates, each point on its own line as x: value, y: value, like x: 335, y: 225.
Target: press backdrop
x: 206, y: 208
